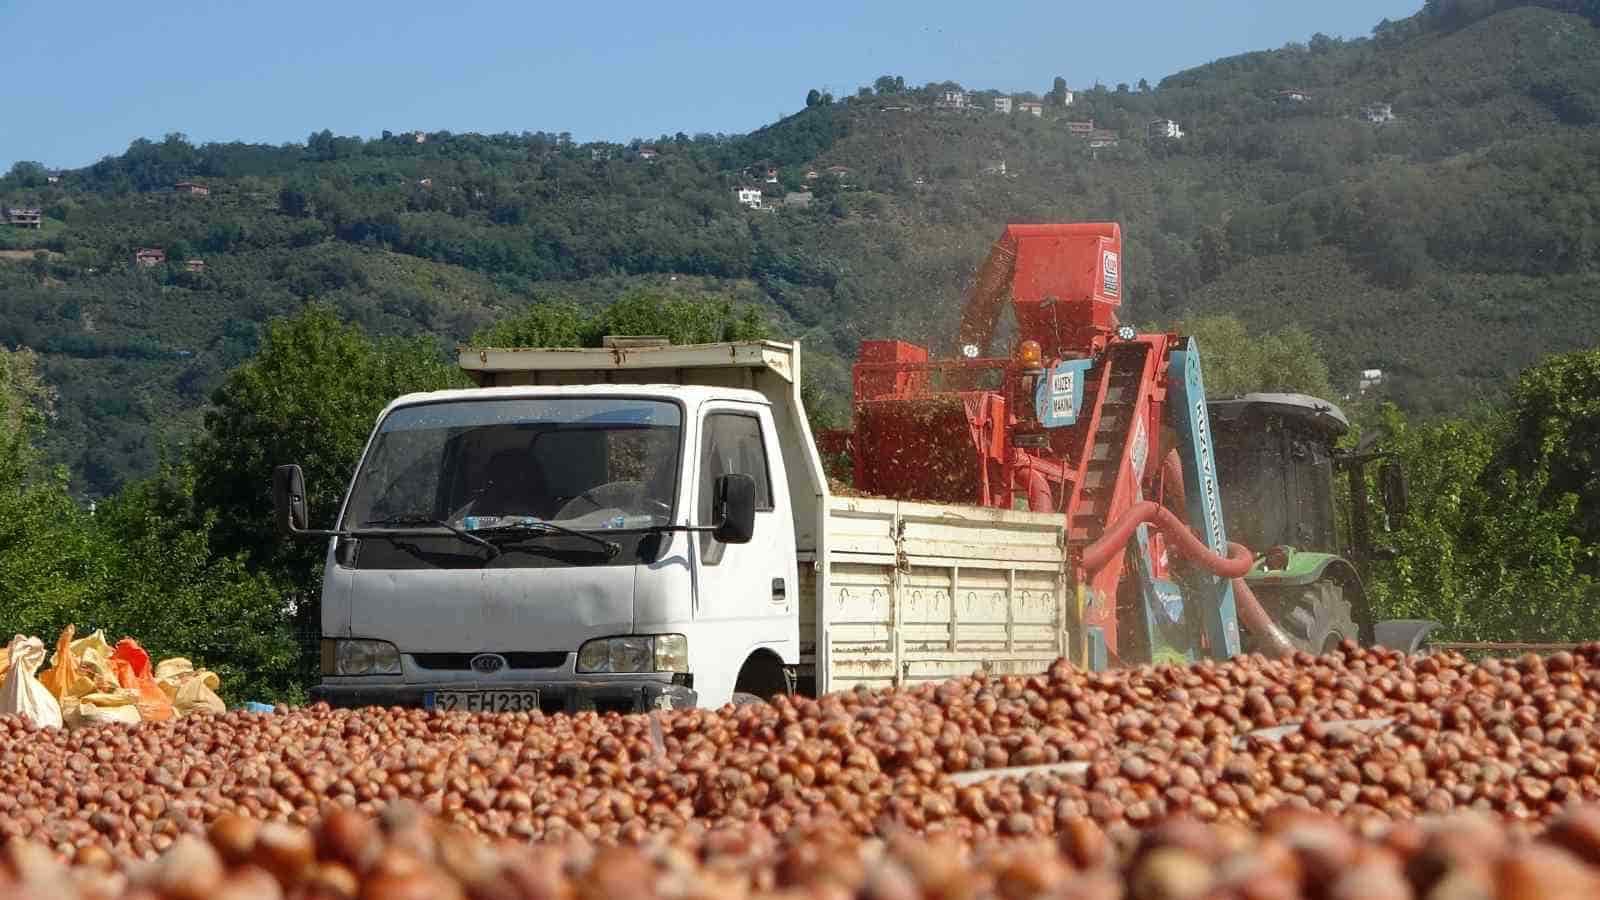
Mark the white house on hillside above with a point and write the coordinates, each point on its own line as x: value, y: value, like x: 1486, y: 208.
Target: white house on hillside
x: 1002, y: 104
x: 1165, y: 129
x: 953, y: 100
x: 750, y: 197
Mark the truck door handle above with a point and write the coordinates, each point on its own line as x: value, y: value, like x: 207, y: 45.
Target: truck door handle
x: 780, y: 590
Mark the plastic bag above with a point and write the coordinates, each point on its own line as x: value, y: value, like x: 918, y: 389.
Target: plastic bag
x: 199, y: 696
x: 5, y: 661
x: 131, y: 664
x: 22, y: 693
x: 92, y: 657
x: 191, y: 690
x: 65, y: 679
x: 109, y: 706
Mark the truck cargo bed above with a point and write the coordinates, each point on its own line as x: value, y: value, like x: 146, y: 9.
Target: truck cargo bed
x: 908, y: 592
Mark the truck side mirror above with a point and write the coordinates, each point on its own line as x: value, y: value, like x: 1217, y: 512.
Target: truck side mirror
x: 1396, y: 491
x: 289, y: 499
x: 736, y: 506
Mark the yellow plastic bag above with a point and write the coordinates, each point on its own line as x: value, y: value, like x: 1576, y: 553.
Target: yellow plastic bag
x: 92, y: 656
x: 199, y: 695
x: 108, y: 706
x: 191, y: 690
x: 170, y: 673
x: 22, y: 693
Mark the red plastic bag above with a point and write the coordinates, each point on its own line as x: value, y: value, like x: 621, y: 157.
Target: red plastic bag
x: 132, y: 665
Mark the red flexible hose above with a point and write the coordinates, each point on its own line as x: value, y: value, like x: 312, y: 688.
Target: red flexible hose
x: 1238, y: 561
x: 1118, y: 533
x: 1275, y: 642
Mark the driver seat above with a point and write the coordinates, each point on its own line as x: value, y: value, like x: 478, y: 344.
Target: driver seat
x: 512, y: 485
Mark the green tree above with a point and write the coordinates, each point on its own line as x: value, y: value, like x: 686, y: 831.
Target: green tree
x: 1299, y: 231
x: 1553, y: 440
x: 889, y: 84
x: 1485, y: 550
x: 166, y: 588
x: 690, y: 318
x: 27, y: 174
x: 139, y: 567
x: 693, y: 319
x: 1058, y: 92
x: 1238, y: 362
x: 310, y: 396
x: 25, y: 403
x: 813, y: 97
x: 541, y: 324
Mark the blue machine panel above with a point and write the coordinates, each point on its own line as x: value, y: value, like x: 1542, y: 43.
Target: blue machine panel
x: 1186, y: 408
x: 1099, y: 658
x: 1058, y: 397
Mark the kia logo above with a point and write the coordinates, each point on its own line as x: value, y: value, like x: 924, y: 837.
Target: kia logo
x: 488, y: 663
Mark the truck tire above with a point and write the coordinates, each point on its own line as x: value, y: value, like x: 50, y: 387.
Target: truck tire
x: 742, y: 699
x: 1318, y: 618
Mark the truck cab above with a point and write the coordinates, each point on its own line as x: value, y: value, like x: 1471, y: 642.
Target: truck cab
x: 556, y: 547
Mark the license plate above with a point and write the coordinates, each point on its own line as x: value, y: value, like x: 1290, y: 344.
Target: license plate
x: 483, y: 701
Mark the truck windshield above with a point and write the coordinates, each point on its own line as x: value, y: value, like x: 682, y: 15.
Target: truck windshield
x: 588, y: 463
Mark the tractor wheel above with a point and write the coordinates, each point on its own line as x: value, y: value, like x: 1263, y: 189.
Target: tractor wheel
x: 1318, y: 618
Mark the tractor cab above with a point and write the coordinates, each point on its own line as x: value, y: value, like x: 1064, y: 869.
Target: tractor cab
x: 1275, y: 460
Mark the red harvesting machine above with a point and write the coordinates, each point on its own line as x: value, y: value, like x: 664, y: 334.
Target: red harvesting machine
x: 1085, y: 417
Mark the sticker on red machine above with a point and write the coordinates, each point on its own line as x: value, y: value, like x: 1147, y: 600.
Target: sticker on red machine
x: 1109, y: 264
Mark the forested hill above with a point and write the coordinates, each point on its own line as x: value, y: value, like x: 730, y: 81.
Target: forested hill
x: 1425, y: 201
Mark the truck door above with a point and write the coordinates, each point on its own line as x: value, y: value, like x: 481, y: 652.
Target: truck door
x: 745, y: 593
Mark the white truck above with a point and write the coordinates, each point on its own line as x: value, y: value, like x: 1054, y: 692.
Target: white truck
x: 646, y: 526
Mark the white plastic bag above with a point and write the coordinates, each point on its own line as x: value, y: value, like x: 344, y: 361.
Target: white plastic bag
x: 22, y: 692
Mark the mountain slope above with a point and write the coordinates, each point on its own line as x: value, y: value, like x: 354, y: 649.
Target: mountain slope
x: 1449, y: 246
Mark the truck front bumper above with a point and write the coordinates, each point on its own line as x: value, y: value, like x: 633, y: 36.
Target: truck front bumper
x: 630, y: 695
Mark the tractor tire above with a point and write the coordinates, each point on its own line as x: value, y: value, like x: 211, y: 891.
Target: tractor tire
x: 1318, y: 618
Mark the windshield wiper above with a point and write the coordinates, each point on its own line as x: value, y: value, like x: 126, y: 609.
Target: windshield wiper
x: 540, y: 526
x: 417, y: 519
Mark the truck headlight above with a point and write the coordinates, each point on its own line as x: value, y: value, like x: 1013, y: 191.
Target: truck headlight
x: 361, y: 657
x: 634, y: 654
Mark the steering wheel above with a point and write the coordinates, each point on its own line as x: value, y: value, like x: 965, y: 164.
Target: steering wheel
x: 621, y: 495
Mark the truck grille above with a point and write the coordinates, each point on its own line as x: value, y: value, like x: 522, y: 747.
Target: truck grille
x: 462, y: 662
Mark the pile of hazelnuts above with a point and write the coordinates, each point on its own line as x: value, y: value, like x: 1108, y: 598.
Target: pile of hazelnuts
x: 1364, y: 742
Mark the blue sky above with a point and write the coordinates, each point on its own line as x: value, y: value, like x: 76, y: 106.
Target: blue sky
x: 85, y: 77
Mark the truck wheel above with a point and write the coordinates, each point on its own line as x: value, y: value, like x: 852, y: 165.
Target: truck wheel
x: 742, y: 699
x: 1319, y: 618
